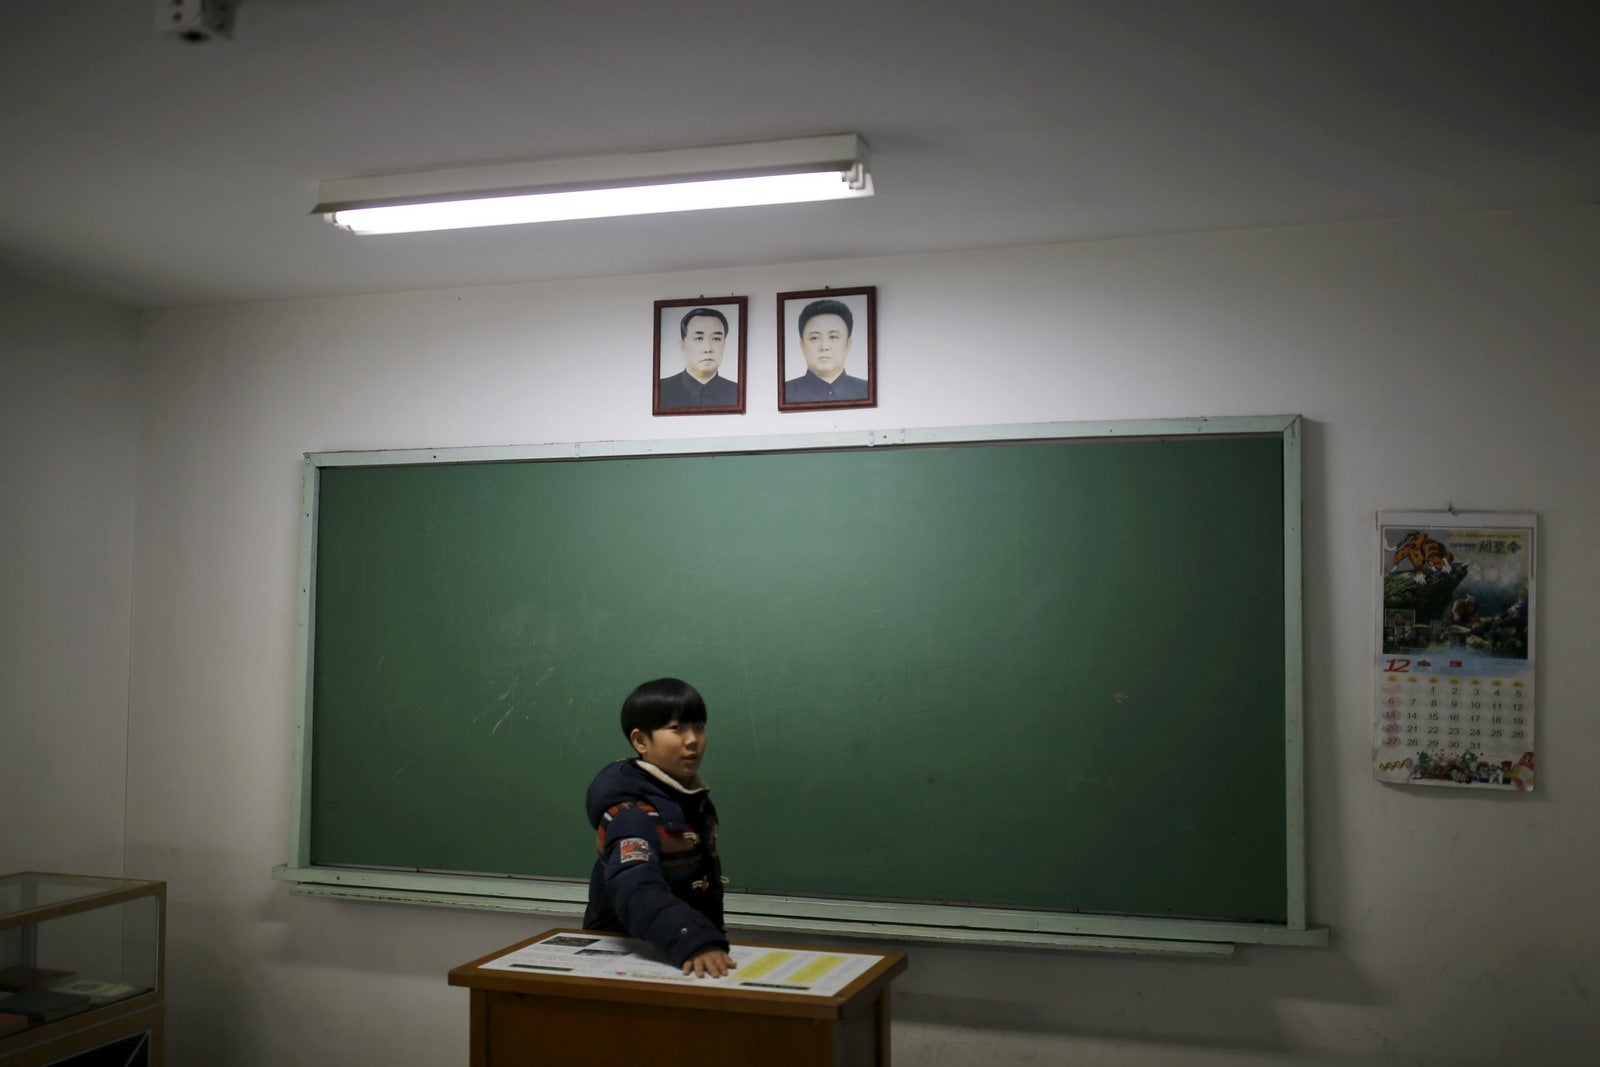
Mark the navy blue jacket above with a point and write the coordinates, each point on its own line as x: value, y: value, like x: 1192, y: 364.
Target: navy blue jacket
x: 657, y: 877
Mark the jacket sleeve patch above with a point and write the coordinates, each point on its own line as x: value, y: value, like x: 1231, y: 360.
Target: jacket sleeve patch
x: 633, y: 850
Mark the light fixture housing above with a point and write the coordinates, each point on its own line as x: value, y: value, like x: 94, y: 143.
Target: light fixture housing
x: 551, y: 190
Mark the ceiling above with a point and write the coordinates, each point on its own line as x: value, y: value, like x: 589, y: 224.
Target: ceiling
x: 157, y: 173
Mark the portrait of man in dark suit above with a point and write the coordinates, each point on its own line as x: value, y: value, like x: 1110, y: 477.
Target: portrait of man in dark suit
x: 695, y: 337
x: 831, y: 333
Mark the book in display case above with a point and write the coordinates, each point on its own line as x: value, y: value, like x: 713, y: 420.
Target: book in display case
x: 82, y: 969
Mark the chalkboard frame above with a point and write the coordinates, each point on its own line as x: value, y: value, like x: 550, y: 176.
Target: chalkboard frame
x: 899, y: 920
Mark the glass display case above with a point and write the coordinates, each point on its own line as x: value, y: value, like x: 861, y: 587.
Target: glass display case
x: 82, y: 962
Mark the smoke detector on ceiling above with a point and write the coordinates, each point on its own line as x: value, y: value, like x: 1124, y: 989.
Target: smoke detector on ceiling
x: 195, y: 21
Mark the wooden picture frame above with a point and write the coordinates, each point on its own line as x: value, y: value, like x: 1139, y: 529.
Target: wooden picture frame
x: 829, y: 360
x: 691, y: 359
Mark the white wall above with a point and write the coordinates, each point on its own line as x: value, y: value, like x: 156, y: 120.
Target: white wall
x: 1442, y: 361
x: 68, y: 434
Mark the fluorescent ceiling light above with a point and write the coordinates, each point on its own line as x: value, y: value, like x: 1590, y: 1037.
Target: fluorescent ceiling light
x: 504, y: 194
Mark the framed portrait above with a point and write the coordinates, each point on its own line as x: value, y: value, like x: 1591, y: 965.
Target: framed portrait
x: 828, y: 349
x: 699, y: 356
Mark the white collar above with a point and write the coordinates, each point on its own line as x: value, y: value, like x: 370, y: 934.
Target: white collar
x: 667, y: 779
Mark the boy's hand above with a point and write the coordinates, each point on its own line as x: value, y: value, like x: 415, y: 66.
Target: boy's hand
x: 709, y: 962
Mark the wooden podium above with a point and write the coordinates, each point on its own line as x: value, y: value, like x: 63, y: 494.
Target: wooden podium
x: 524, y: 1018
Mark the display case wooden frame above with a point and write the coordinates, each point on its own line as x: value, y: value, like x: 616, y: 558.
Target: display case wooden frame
x: 58, y: 929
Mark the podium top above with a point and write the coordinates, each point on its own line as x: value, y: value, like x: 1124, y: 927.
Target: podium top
x: 770, y: 979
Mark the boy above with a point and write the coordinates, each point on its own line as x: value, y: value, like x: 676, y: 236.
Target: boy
x: 658, y: 878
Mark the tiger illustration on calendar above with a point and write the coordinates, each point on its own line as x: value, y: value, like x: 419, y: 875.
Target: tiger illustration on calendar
x: 1423, y: 553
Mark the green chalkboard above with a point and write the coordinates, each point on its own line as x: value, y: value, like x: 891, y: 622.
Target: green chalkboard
x: 1044, y: 673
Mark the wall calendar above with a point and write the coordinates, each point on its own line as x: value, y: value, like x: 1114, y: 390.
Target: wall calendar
x: 1455, y: 658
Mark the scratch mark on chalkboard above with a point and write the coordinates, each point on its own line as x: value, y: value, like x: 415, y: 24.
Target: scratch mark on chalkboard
x: 548, y: 671
x: 499, y: 700
x: 401, y: 769
x: 510, y: 689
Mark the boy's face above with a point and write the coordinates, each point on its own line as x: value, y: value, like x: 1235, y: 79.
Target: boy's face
x: 676, y: 748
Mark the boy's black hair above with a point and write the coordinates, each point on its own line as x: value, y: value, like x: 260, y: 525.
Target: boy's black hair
x: 654, y: 704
